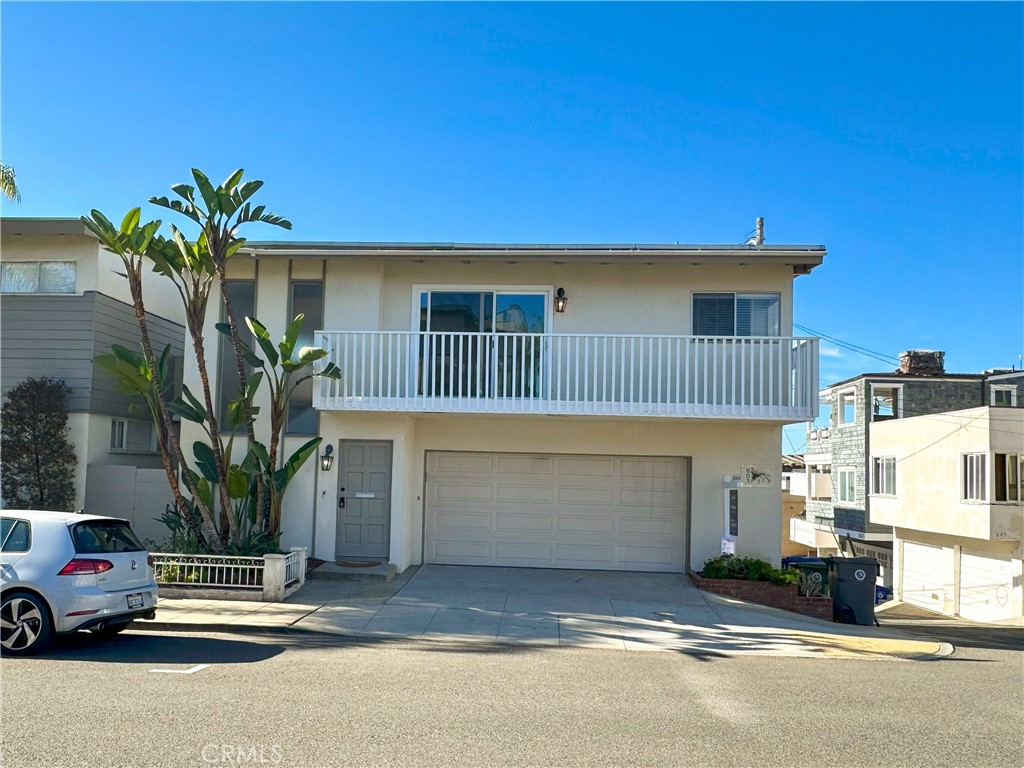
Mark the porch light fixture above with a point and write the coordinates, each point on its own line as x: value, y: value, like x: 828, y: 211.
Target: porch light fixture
x: 560, y: 300
x: 327, y: 459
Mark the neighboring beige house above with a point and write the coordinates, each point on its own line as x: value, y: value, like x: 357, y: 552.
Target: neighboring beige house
x: 568, y: 406
x: 950, y: 485
x: 63, y: 303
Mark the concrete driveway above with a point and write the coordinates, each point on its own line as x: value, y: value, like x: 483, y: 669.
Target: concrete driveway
x: 594, y: 609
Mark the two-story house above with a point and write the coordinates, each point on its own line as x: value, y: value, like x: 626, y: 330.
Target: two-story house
x: 63, y: 303
x: 570, y: 406
x: 839, y: 458
x: 950, y: 486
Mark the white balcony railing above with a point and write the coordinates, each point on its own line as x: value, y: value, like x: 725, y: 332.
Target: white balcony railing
x: 594, y: 374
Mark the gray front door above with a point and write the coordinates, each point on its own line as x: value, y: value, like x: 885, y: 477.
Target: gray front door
x: 364, y: 500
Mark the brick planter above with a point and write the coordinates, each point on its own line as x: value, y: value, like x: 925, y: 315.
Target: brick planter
x: 785, y: 597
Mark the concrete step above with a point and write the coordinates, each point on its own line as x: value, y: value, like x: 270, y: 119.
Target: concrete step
x: 335, y: 572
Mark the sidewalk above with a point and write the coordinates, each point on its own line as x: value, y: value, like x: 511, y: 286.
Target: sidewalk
x: 428, y: 608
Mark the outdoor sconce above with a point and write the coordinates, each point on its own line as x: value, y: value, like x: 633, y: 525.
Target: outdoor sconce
x: 327, y: 460
x: 560, y: 300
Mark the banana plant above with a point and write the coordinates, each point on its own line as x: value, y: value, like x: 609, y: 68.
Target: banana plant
x: 285, y: 368
x: 223, y: 211
x: 130, y: 242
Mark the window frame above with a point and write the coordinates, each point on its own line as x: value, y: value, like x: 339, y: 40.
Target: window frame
x: 39, y: 262
x: 224, y: 347
x: 16, y: 521
x: 879, y: 476
x: 974, y: 478
x: 736, y: 296
x: 288, y: 431
x: 841, y: 486
x: 840, y: 396
x: 1012, y: 465
x: 897, y: 401
x: 997, y: 388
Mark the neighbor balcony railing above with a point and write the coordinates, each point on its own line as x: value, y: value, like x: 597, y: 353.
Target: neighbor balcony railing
x: 758, y: 377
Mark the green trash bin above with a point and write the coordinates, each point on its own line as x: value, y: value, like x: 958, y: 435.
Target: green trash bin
x: 813, y: 569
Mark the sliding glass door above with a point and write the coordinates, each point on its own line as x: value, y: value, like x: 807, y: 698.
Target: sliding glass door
x: 481, y: 343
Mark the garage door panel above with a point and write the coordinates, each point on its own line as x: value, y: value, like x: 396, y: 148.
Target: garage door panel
x: 619, y: 513
x: 986, y: 586
x: 534, y: 523
x: 516, y: 552
x: 458, y: 521
x: 927, y: 574
x: 525, y: 494
x: 585, y: 524
x: 583, y: 495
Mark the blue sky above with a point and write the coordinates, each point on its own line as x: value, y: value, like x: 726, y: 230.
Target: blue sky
x: 891, y: 133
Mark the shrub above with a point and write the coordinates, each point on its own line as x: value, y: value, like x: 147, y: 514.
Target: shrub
x: 747, y: 569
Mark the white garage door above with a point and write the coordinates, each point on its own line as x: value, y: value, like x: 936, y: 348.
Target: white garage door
x: 986, y: 586
x: 618, y: 513
x: 927, y: 571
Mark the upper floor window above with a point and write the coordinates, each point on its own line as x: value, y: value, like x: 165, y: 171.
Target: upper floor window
x: 1003, y: 394
x: 847, y: 490
x: 973, y: 477
x: 846, y: 410
x: 37, y: 277
x: 243, y: 303
x: 1007, y: 472
x: 307, y: 299
x: 885, y: 402
x: 736, y: 314
x: 883, y: 475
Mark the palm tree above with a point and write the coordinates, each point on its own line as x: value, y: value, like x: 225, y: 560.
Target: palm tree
x: 8, y: 184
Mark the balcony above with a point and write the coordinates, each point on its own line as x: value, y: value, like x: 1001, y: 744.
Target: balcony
x: 768, y: 378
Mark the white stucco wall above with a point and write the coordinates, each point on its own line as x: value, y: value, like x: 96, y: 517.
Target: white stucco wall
x: 928, y: 452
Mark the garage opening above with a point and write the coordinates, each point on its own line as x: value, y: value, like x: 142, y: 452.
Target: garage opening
x: 619, y: 513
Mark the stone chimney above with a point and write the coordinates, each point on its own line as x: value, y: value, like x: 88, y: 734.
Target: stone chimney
x: 922, y: 362
x: 759, y: 231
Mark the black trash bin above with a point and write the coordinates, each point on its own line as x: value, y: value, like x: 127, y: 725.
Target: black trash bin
x: 814, y: 569
x: 852, y: 581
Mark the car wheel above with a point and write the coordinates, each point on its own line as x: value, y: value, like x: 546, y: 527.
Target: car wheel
x: 110, y: 630
x: 24, y: 624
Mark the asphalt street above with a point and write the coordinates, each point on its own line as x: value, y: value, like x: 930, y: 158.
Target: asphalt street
x: 308, y: 700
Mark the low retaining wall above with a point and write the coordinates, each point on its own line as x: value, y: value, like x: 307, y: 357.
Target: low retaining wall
x: 270, y: 578
x: 786, y: 597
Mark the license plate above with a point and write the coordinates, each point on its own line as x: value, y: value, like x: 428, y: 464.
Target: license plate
x: 135, y: 601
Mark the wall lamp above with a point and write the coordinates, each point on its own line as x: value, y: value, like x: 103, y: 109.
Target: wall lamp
x: 327, y: 459
x: 560, y: 300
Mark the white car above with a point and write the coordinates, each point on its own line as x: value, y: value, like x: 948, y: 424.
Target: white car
x: 61, y: 572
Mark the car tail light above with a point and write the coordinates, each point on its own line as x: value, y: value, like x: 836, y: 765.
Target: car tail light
x: 149, y: 560
x: 80, y: 566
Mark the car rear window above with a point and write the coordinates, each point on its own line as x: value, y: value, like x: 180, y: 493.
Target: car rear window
x: 96, y: 537
x: 15, y: 535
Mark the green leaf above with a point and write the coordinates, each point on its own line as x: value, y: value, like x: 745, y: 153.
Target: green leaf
x: 207, y: 191
x: 205, y: 460
x: 284, y: 475
x: 262, y: 336
x: 232, y: 180
x: 238, y: 482
x: 291, y: 334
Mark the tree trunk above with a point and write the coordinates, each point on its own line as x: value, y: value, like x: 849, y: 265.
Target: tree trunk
x: 135, y: 283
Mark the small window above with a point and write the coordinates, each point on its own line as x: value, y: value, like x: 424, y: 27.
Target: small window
x: 97, y: 537
x: 38, y: 277
x: 1007, y: 476
x: 883, y: 475
x: 847, y: 408
x: 1004, y: 396
x: 15, y: 535
x: 132, y: 436
x: 308, y: 299
x: 973, y: 471
x: 735, y: 314
x: 885, y: 403
x: 847, y: 490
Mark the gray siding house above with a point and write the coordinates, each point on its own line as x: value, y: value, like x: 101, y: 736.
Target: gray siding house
x: 62, y: 303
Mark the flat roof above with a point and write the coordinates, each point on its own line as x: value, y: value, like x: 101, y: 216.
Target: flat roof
x: 29, y: 225
x: 896, y: 376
